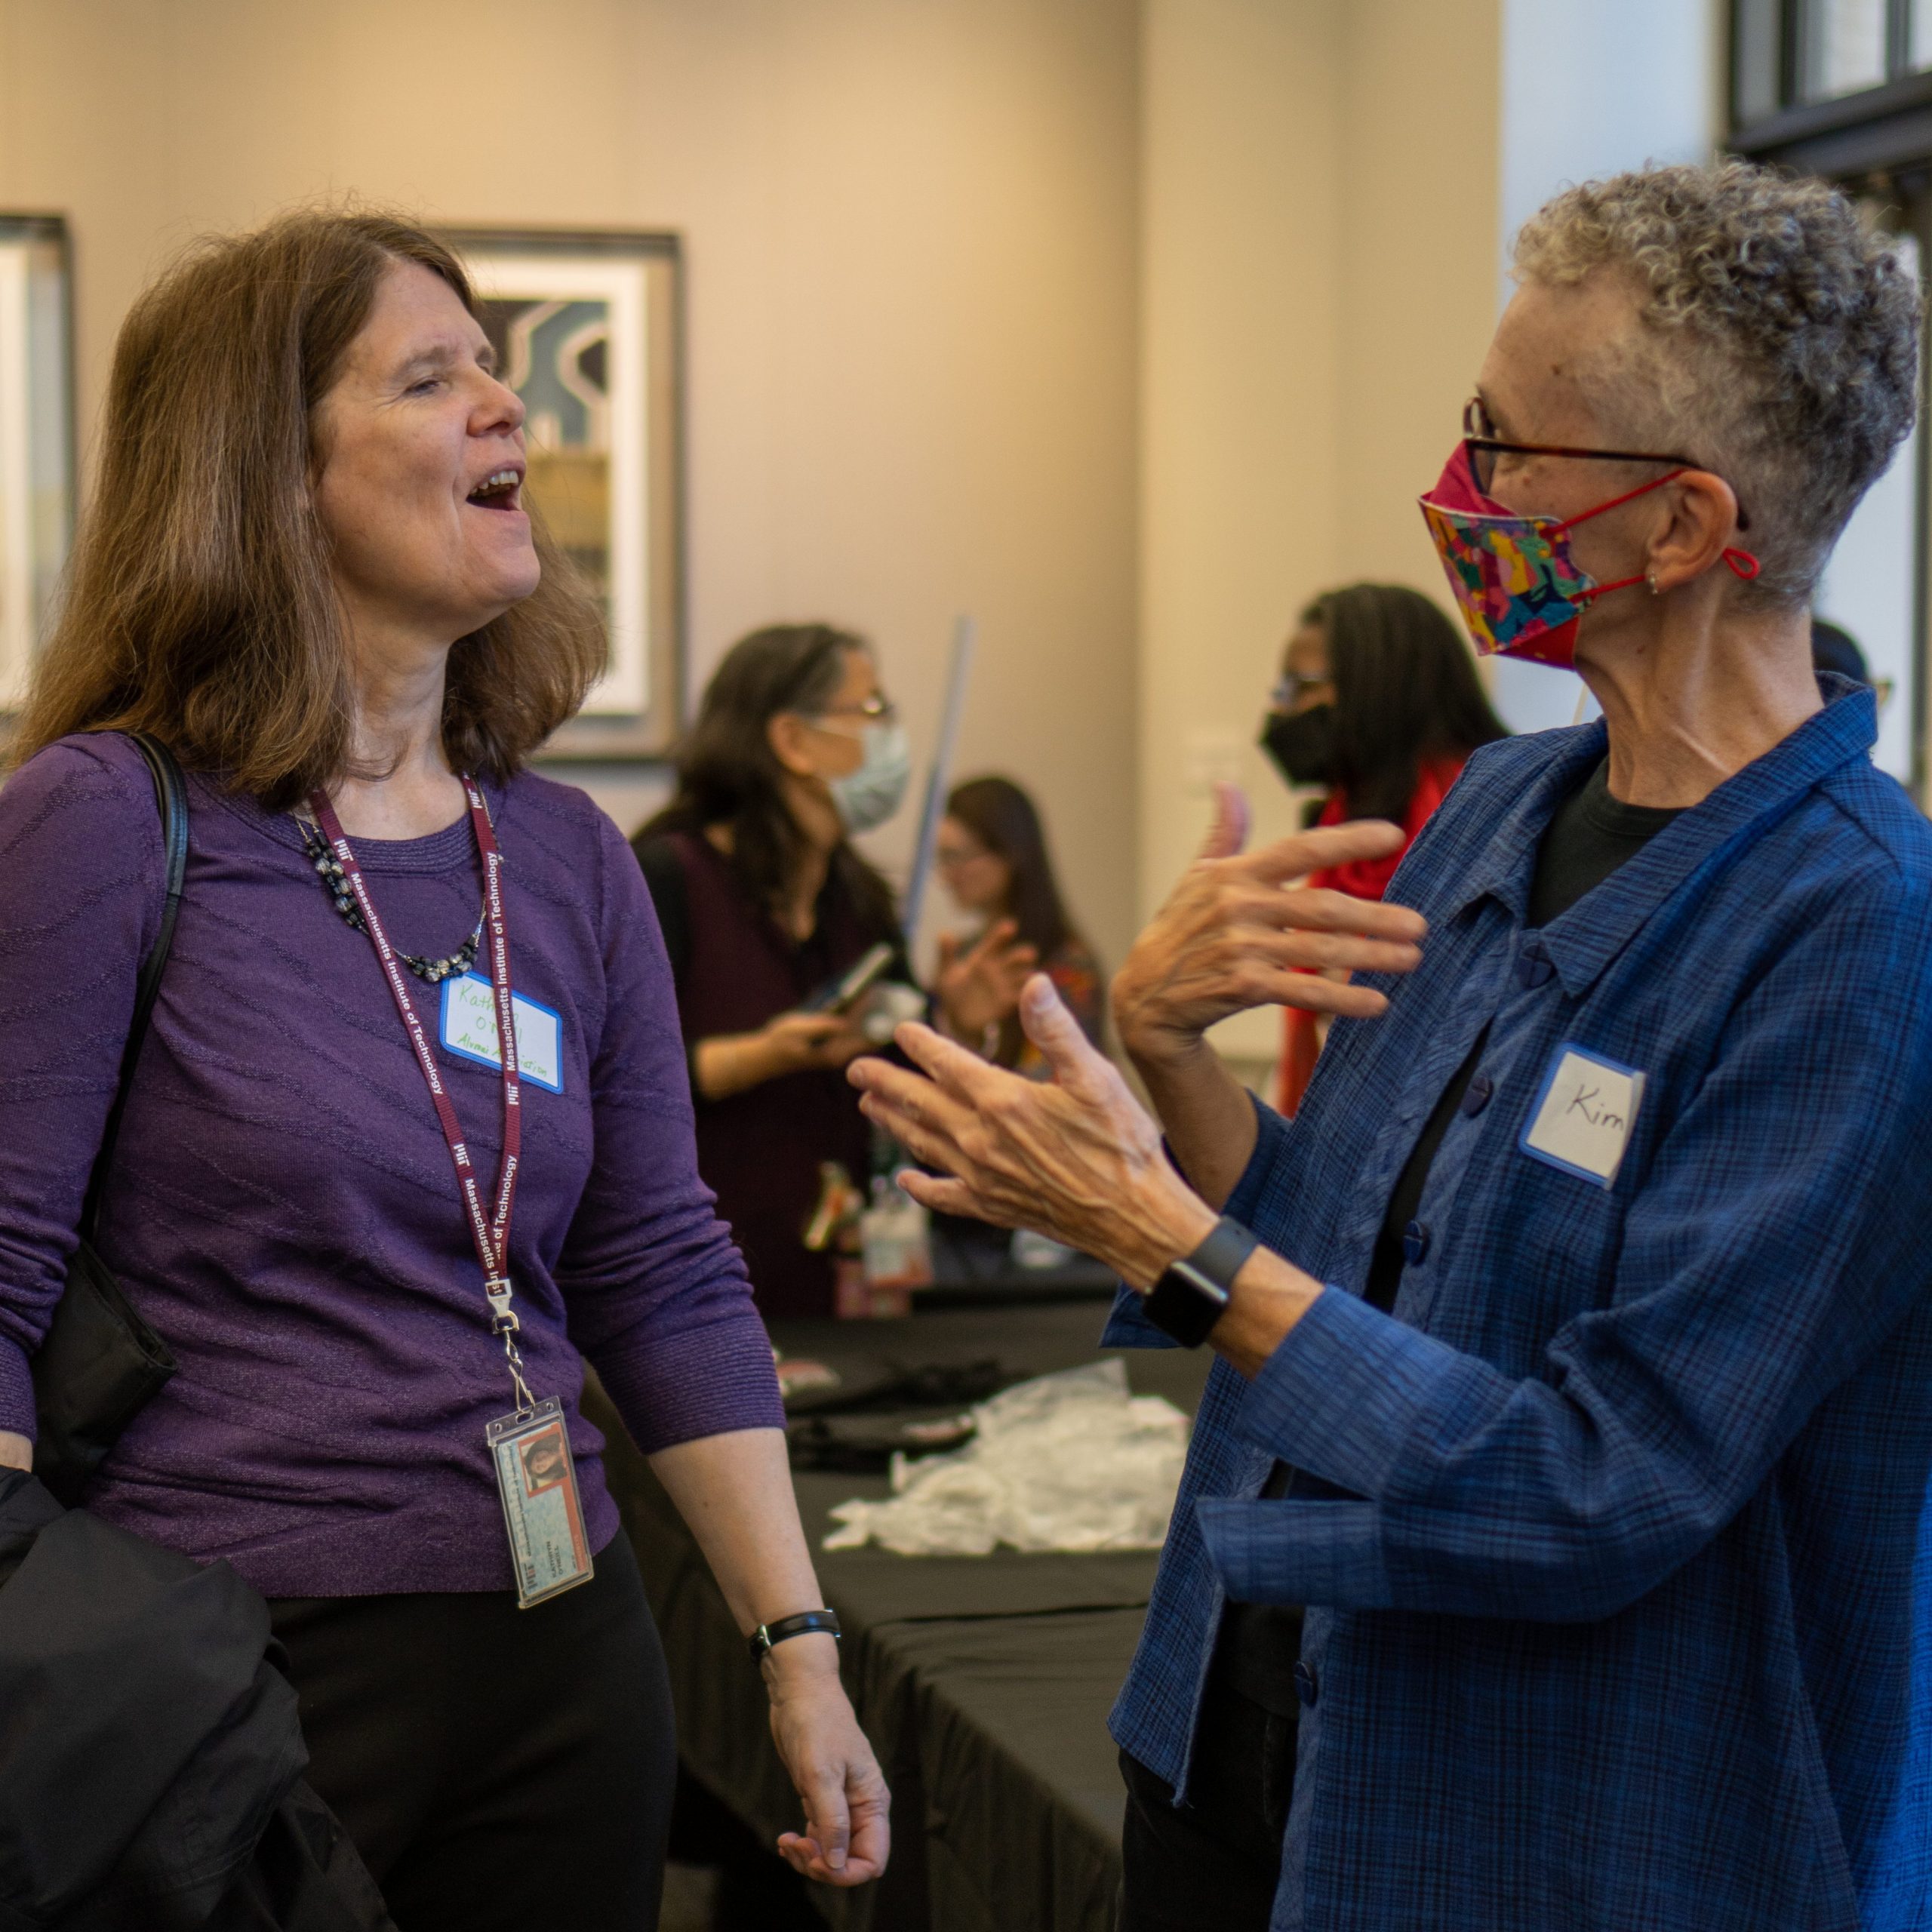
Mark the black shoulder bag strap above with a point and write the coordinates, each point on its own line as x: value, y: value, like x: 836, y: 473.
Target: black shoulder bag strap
x: 173, y: 798
x: 171, y: 795
x: 99, y: 1363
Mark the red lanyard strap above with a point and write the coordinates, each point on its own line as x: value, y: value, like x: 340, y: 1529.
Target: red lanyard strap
x: 490, y: 1231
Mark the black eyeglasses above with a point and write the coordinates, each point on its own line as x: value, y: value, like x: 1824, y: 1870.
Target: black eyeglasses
x: 1484, y: 449
x: 1291, y: 686
x: 877, y: 709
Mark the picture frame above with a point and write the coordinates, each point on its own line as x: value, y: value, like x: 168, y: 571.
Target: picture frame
x: 588, y: 327
x: 37, y: 436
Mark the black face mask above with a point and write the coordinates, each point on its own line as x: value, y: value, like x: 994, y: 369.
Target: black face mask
x: 1302, y: 743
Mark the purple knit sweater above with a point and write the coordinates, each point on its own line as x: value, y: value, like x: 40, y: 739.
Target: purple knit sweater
x: 282, y: 1207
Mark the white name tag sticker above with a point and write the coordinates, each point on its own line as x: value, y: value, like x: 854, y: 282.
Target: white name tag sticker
x: 469, y: 1031
x: 1583, y: 1118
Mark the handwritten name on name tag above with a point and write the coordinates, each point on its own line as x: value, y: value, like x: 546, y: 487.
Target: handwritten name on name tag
x: 1582, y: 1120
x: 469, y: 1031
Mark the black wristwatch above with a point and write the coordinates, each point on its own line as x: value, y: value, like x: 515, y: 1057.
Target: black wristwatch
x: 1189, y: 1298
x: 803, y: 1624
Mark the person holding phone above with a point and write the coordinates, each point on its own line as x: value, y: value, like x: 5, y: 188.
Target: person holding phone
x: 766, y: 908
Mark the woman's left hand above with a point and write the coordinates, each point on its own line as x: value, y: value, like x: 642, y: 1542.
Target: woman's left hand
x: 979, y: 988
x: 848, y: 1833
x: 1075, y: 1157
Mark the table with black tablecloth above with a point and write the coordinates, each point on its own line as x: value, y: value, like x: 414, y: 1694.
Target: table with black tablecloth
x: 984, y: 1682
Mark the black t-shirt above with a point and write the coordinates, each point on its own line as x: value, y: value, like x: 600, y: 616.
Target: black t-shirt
x: 1588, y: 836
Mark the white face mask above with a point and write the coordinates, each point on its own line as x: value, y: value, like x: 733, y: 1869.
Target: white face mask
x: 869, y: 795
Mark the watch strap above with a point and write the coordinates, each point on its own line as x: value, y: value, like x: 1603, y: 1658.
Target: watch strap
x: 802, y: 1625
x: 1189, y: 1298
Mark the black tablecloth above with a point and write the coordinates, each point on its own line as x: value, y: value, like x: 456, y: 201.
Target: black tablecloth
x: 983, y: 1682
x: 995, y: 1736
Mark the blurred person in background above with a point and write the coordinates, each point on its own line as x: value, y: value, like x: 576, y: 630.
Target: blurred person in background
x: 765, y: 904
x: 1834, y: 648
x: 992, y: 859
x: 1379, y: 703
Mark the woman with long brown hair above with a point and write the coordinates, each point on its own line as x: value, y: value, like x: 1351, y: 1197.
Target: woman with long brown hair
x: 992, y: 857
x: 308, y: 570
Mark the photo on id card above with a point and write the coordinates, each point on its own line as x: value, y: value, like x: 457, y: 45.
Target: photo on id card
x: 541, y: 1510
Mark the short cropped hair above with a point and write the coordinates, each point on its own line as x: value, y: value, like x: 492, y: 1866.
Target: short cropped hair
x: 200, y: 605
x: 1779, y: 343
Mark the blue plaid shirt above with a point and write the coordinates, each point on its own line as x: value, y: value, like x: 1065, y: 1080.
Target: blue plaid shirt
x: 1614, y: 1534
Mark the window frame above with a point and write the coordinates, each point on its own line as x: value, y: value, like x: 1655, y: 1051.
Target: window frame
x: 1875, y: 141
x: 1884, y: 127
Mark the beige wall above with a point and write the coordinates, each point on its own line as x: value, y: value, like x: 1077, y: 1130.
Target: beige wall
x: 912, y: 298
x: 1419, y: 227
x: 1105, y: 320
x: 1318, y: 278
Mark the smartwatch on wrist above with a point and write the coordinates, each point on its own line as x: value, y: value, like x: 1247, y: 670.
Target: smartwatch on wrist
x: 1189, y: 1297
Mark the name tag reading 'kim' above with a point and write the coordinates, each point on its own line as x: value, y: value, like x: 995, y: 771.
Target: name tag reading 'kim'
x: 1582, y: 1120
x: 469, y: 1031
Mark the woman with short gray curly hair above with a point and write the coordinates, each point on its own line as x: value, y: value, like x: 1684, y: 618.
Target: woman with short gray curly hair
x: 1776, y: 335
x: 1549, y: 1553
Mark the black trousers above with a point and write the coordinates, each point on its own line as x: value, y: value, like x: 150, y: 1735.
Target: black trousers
x: 496, y: 1768
x: 1213, y: 1867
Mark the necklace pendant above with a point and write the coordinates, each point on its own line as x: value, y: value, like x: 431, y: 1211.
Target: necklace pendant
x: 335, y: 883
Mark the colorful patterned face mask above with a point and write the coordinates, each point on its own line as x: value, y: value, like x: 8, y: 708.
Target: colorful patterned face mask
x: 1520, y: 590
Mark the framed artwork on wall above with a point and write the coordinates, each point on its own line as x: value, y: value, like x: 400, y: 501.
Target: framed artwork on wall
x: 586, y: 327
x: 36, y: 435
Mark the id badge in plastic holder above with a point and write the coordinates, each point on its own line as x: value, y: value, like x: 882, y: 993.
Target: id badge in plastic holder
x: 538, y: 1484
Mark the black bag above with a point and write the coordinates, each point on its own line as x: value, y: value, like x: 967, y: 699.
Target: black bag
x: 100, y: 1363
x: 880, y: 1409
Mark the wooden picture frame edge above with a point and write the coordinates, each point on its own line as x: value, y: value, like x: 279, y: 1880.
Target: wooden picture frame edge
x: 48, y: 225
x: 647, y: 742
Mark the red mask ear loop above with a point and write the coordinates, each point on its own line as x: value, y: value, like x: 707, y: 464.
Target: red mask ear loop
x: 1616, y: 503
x: 1741, y: 561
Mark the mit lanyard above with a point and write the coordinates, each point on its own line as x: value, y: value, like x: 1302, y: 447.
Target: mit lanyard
x: 530, y: 1447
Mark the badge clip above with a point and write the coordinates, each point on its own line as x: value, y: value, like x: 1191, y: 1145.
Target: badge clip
x: 503, y: 1317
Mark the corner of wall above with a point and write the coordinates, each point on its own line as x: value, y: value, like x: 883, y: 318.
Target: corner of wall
x: 1239, y: 391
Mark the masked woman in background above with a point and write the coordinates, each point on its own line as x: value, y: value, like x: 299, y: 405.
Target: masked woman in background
x: 993, y: 858
x: 764, y: 905
x: 1378, y: 703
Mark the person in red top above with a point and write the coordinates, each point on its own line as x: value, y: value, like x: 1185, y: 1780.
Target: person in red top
x: 1379, y: 703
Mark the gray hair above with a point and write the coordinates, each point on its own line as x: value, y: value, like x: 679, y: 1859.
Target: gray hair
x: 1779, y: 343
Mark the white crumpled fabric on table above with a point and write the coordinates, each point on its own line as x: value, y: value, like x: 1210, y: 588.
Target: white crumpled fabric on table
x: 1066, y: 1462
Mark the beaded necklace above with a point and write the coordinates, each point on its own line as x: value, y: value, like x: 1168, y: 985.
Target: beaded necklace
x: 328, y: 869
